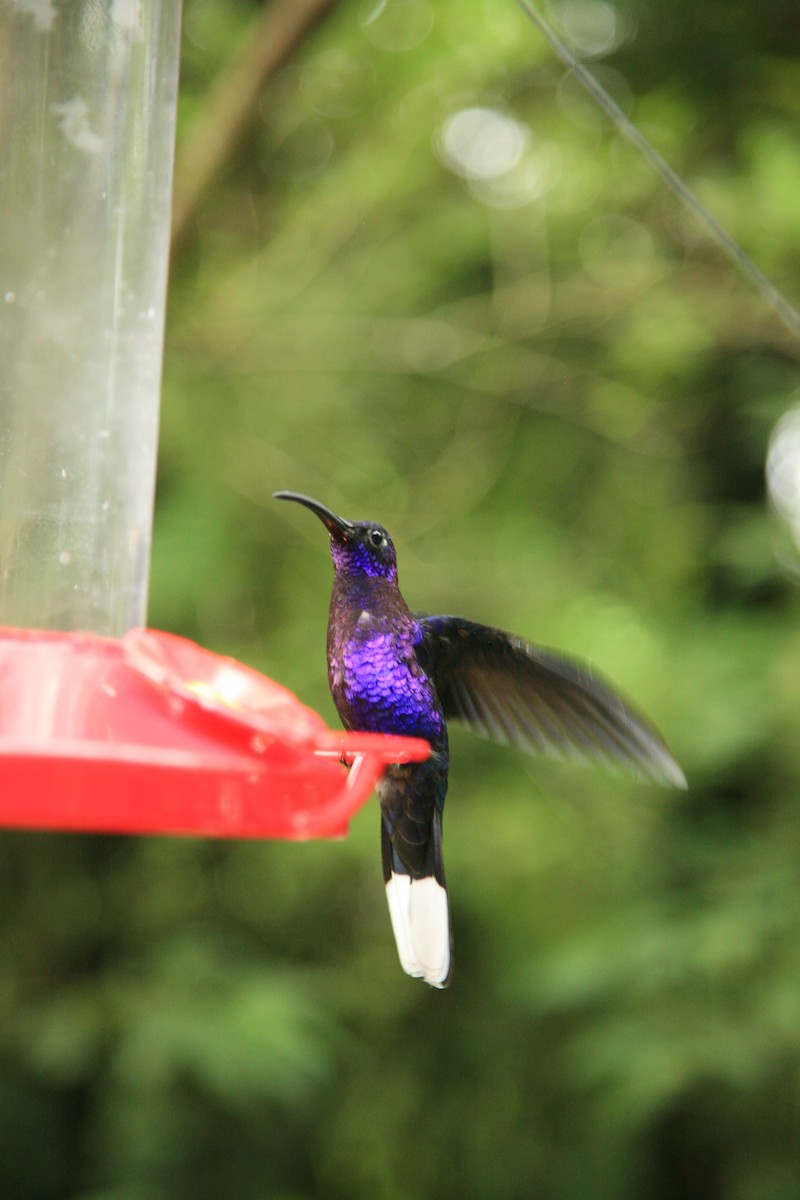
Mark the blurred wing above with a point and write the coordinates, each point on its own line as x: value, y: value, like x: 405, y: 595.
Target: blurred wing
x: 512, y: 692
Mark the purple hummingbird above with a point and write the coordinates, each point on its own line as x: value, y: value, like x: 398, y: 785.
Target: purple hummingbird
x: 394, y: 671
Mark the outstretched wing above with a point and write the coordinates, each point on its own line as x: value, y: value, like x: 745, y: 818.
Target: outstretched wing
x: 512, y: 692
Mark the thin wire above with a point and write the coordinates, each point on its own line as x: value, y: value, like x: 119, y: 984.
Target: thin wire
x: 786, y: 311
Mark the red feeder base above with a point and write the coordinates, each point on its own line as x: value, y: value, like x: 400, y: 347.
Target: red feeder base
x: 152, y: 734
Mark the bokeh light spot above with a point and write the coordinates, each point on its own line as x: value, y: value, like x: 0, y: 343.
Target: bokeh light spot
x: 482, y: 143
x: 335, y: 85
x: 396, y: 25
x: 592, y: 27
x: 783, y: 470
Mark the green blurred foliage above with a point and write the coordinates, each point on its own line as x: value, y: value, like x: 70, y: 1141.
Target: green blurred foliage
x: 558, y: 395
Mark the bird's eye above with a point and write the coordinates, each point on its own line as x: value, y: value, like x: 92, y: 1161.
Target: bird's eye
x: 377, y: 538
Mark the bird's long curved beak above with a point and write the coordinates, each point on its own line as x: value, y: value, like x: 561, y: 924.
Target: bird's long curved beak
x: 336, y: 526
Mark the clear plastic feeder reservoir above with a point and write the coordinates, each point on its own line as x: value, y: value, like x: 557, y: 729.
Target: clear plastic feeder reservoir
x: 87, y: 126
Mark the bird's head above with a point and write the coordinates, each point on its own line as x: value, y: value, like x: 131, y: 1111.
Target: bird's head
x: 357, y: 547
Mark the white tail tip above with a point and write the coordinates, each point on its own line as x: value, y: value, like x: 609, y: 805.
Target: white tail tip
x: 421, y: 922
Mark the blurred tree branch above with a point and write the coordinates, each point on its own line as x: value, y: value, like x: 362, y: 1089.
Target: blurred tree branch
x: 274, y: 37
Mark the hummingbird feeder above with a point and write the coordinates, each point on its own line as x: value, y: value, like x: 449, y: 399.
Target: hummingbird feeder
x: 105, y: 725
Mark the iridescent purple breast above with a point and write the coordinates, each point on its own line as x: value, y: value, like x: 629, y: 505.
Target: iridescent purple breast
x: 379, y: 686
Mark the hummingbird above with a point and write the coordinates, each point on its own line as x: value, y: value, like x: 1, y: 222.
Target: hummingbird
x: 391, y: 670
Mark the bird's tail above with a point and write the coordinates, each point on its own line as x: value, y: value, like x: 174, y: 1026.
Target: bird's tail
x: 420, y: 911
